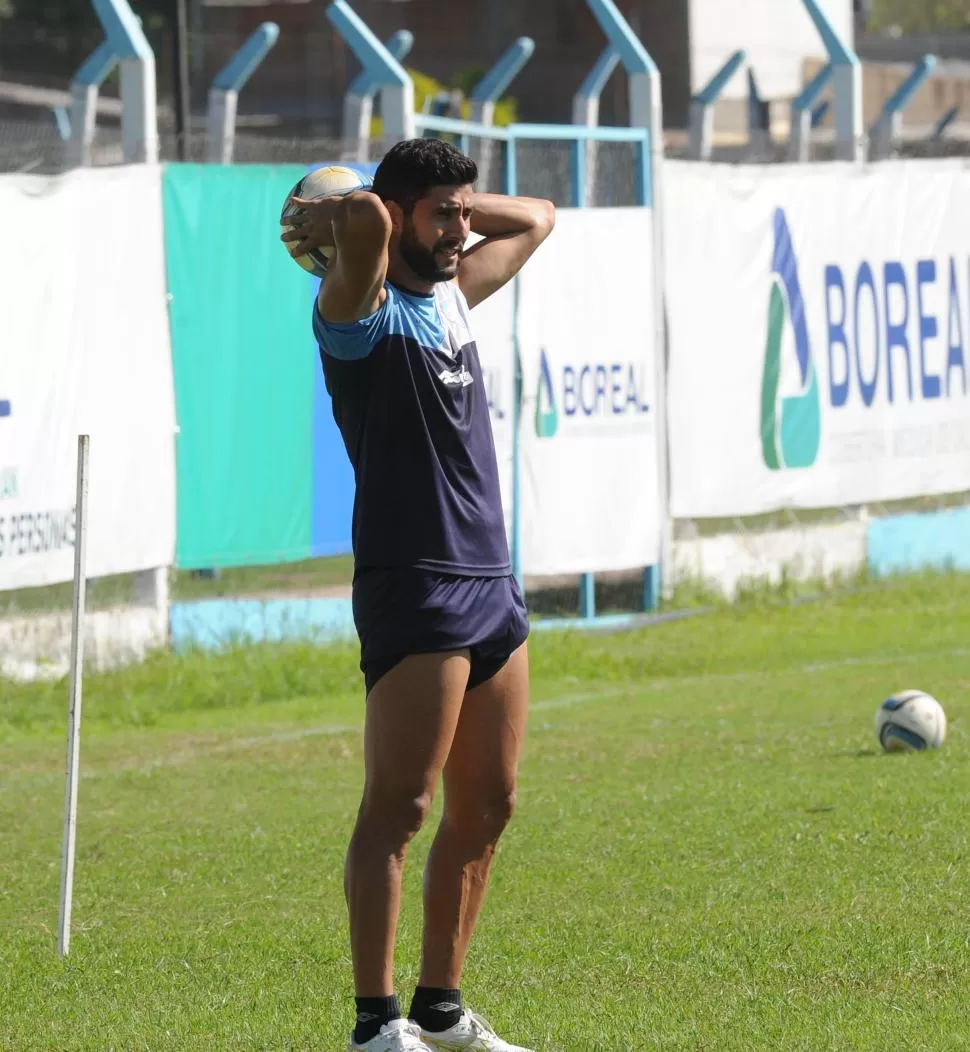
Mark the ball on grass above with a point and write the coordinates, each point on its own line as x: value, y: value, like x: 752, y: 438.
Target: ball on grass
x: 910, y: 721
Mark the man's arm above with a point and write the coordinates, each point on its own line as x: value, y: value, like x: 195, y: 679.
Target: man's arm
x: 512, y: 228
x: 359, y: 227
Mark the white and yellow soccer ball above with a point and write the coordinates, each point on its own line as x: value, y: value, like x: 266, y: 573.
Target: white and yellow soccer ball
x: 332, y: 181
x: 910, y: 721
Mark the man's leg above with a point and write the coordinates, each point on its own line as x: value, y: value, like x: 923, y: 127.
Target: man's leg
x: 412, y: 714
x: 480, y: 781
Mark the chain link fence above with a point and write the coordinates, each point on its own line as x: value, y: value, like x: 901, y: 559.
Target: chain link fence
x: 544, y: 168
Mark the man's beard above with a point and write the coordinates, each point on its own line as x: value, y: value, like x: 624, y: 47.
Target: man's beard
x: 422, y: 260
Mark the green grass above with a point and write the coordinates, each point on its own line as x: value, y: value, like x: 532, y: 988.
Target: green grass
x: 711, y: 852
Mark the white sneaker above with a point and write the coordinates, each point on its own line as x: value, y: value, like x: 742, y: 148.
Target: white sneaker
x: 399, y: 1035
x: 470, y: 1032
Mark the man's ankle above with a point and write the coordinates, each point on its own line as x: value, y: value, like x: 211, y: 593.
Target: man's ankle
x: 435, y: 1009
x: 372, y: 1014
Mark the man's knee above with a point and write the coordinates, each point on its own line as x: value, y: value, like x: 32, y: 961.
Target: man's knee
x: 395, y: 817
x: 486, y: 817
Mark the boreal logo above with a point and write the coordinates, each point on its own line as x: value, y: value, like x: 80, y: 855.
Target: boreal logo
x: 547, y: 416
x: 588, y: 396
x: 790, y: 424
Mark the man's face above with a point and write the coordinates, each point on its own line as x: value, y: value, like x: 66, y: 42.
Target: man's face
x: 433, y: 235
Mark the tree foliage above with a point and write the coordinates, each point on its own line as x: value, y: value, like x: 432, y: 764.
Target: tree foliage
x: 920, y: 16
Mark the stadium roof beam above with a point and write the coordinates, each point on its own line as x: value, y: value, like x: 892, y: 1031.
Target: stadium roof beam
x: 220, y: 139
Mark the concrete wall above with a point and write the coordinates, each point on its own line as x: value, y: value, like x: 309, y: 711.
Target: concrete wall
x: 728, y: 562
x: 39, y: 646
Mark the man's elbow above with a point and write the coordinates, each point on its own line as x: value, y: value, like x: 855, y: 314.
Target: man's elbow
x: 545, y: 218
x: 363, y: 215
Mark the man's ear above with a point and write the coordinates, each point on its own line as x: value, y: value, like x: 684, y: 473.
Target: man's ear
x: 396, y: 213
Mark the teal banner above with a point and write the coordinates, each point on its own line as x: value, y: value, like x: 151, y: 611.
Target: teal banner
x: 258, y: 453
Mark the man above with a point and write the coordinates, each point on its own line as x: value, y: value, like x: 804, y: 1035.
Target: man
x: 441, y: 620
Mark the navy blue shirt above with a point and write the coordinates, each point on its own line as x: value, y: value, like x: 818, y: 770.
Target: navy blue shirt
x: 410, y: 402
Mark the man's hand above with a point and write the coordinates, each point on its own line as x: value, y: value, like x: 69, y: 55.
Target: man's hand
x: 314, y: 228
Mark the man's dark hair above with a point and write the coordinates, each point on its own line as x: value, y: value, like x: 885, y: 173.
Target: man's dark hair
x: 413, y: 168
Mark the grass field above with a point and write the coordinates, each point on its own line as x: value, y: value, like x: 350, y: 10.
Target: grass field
x: 711, y: 852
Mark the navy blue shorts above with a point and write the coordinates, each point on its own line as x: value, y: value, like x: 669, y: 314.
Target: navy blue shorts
x: 400, y: 611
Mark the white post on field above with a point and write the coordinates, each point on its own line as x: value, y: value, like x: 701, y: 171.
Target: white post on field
x: 74, y: 708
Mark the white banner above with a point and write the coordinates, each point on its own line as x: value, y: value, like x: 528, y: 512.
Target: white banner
x: 84, y: 348
x: 819, y: 320
x: 493, y: 326
x: 590, y: 497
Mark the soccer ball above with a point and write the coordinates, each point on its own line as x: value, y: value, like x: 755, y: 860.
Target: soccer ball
x: 332, y: 181
x: 910, y: 721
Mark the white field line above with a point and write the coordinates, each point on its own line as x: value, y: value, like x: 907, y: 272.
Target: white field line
x: 187, y: 756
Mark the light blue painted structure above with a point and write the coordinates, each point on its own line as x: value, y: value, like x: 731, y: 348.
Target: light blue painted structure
x: 486, y: 94
x: 499, y: 78
x: 820, y: 112
x: 910, y: 543
x: 358, y: 106
x: 123, y: 29
x: 98, y: 65
x: 237, y: 71
x: 759, y: 118
x: 805, y: 114
x: 216, y: 624
x: 596, y: 80
x: 847, y: 86
x: 63, y: 121
x: 398, y: 46
x: 586, y: 111
x: 939, y: 129
x: 224, y: 93
x: 129, y: 46
x: 702, y: 107
x: 385, y: 71
x: 646, y: 111
x: 887, y: 128
x: 85, y: 88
